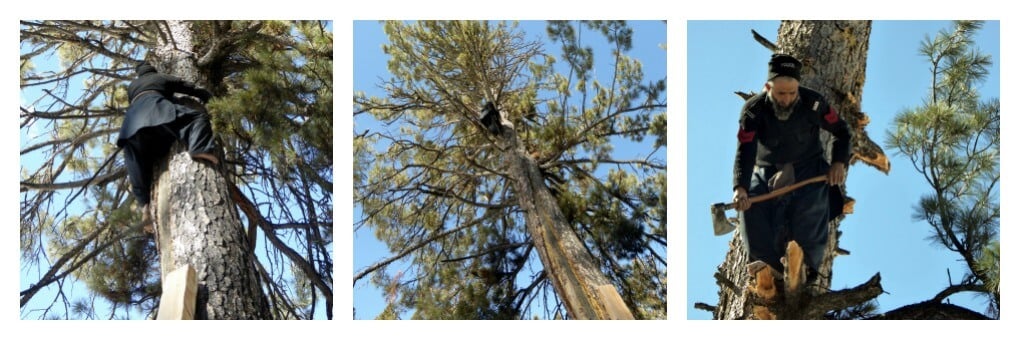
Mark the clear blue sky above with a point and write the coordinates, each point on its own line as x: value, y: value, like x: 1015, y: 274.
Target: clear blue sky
x: 722, y: 57
x: 649, y: 40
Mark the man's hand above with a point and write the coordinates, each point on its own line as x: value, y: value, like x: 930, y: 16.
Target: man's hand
x: 740, y: 200
x: 204, y: 95
x: 837, y: 174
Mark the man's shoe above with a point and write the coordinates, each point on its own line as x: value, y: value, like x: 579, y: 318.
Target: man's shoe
x: 206, y: 156
x: 147, y: 219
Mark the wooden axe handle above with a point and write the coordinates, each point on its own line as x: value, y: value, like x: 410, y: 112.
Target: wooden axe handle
x: 781, y: 191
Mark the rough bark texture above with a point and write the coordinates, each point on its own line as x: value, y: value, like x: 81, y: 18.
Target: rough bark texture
x: 834, y: 54
x: 195, y: 220
x: 575, y: 276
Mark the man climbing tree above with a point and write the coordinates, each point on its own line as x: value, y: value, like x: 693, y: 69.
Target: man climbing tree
x: 154, y: 120
x: 256, y: 228
x: 487, y: 166
x: 778, y: 145
x: 833, y: 66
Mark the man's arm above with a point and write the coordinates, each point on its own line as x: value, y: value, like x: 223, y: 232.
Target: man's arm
x: 747, y: 151
x: 178, y: 85
x: 840, y: 147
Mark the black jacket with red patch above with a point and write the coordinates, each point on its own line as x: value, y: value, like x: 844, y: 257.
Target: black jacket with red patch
x: 764, y: 140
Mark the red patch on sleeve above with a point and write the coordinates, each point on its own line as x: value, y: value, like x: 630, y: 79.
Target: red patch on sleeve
x: 831, y: 117
x: 745, y: 136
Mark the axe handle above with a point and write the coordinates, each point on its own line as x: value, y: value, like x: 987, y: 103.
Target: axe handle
x: 781, y: 191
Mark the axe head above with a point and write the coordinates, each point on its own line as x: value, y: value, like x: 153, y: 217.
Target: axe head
x: 720, y: 224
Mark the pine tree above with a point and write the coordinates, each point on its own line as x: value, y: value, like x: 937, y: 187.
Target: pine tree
x: 271, y: 115
x: 471, y: 207
x: 952, y: 139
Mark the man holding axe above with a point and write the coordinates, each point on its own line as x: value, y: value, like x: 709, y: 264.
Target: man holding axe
x: 780, y: 151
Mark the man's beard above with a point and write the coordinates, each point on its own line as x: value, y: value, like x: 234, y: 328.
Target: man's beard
x: 783, y: 113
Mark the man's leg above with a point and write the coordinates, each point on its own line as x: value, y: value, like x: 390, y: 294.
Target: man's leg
x: 758, y: 227
x: 196, y: 131
x: 809, y: 222
x: 138, y: 168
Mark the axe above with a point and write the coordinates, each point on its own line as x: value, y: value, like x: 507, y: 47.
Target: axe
x: 722, y: 225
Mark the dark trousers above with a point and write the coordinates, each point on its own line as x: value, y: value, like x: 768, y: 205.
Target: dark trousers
x: 801, y: 215
x: 150, y: 144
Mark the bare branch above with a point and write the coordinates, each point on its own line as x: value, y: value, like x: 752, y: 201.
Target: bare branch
x: 945, y: 293
x: 765, y: 42
x: 26, y: 186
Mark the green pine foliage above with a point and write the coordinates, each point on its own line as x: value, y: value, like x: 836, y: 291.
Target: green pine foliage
x: 952, y: 139
x: 432, y: 185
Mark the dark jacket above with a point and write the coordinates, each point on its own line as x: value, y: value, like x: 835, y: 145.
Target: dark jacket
x: 156, y: 107
x: 764, y: 140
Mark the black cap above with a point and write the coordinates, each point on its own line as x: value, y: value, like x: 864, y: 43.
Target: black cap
x: 784, y: 65
x: 143, y: 68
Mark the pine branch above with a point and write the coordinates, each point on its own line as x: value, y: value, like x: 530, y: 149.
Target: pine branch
x: 51, y: 276
x: 953, y: 289
x: 488, y: 251
x: 250, y: 210
x: 368, y: 270
x: 26, y: 186
x: 612, y: 161
x: 74, y: 141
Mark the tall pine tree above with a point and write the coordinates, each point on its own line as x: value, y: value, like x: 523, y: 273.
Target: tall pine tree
x: 536, y: 217
x: 272, y: 195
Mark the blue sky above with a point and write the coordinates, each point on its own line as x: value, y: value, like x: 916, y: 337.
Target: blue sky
x: 722, y: 57
x: 648, y: 43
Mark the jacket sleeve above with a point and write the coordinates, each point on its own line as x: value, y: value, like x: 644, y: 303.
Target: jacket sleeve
x: 178, y: 85
x: 834, y: 124
x: 747, y: 149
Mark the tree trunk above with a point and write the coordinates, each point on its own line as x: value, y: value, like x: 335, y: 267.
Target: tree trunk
x: 195, y: 219
x: 585, y: 291
x: 834, y: 54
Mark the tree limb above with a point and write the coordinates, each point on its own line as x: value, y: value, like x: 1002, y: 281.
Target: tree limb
x: 819, y: 305
x: 945, y: 293
x: 249, y: 209
x: 26, y: 186
x: 361, y: 274
x: 765, y: 42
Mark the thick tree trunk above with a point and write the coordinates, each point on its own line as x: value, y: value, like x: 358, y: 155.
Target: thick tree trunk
x: 834, y: 54
x: 195, y: 219
x: 576, y: 278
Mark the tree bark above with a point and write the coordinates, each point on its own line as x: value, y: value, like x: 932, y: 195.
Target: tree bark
x: 834, y: 54
x: 195, y: 220
x: 585, y: 291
